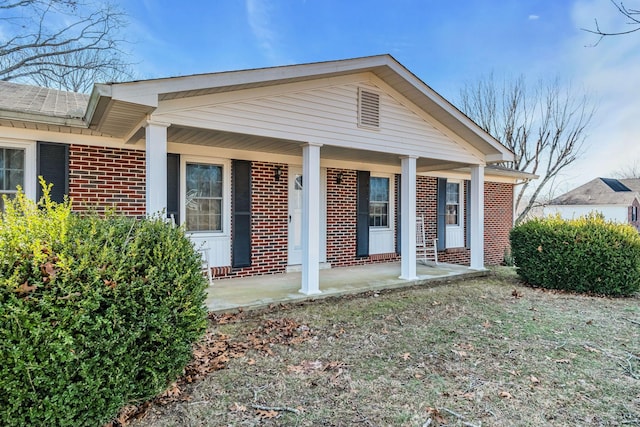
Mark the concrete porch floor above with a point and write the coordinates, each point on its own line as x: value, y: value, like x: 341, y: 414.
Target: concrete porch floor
x: 261, y: 291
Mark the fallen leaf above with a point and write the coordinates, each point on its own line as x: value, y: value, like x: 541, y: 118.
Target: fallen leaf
x: 516, y: 294
x: 540, y: 248
x: 460, y: 353
x: 236, y: 407
x: 335, y: 365
x: 435, y: 414
x: 305, y: 367
x: 48, y: 271
x: 469, y: 395
x: 467, y: 346
x: 534, y: 379
x: 562, y: 361
x: 591, y: 349
x: 406, y: 356
x: 486, y: 324
x: 418, y: 376
x: 25, y: 288
x: 589, y: 322
x: 251, y: 362
x: 505, y: 395
x: 265, y: 415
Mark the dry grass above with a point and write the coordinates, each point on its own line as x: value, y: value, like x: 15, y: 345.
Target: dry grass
x: 481, y: 352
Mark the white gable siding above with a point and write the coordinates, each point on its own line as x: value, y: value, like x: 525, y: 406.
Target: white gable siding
x: 326, y: 115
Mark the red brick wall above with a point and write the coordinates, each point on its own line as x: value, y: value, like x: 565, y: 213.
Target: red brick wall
x: 341, y: 217
x: 341, y: 222
x: 498, y: 220
x: 269, y: 221
x: 636, y: 223
x: 102, y: 178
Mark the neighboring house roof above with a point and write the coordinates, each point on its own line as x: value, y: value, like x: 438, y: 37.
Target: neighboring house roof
x: 24, y: 102
x: 602, y: 191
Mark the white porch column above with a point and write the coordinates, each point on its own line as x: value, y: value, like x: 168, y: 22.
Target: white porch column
x: 408, y: 218
x: 311, y: 219
x: 477, y: 217
x: 156, y: 166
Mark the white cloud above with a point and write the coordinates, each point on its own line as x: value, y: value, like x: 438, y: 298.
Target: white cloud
x: 260, y: 15
x: 534, y: 17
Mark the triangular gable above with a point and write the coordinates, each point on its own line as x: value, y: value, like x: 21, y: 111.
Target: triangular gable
x: 151, y: 93
x: 325, y: 112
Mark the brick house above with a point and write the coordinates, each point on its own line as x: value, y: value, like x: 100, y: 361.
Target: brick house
x: 225, y: 154
x: 616, y: 199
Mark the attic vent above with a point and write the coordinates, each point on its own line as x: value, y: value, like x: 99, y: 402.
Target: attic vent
x: 368, y: 109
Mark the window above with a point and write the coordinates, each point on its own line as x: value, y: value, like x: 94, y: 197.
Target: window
x: 204, y: 195
x: 453, y: 203
x: 12, y: 171
x: 634, y: 213
x: 379, y: 202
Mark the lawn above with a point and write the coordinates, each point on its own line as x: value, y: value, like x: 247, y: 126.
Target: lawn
x: 487, y: 351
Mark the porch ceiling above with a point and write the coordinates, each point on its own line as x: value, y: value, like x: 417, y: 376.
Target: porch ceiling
x: 283, y: 147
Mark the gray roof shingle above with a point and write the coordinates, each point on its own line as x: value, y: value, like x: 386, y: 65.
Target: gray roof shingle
x: 42, y: 101
x: 599, y: 192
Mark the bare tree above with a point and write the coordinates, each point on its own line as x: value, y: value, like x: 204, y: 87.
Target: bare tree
x: 633, y: 20
x: 629, y: 171
x: 63, y: 44
x: 544, y: 127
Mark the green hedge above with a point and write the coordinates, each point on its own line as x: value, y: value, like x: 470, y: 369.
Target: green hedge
x: 95, y: 312
x: 587, y: 254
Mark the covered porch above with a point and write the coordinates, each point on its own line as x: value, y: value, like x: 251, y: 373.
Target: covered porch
x: 226, y: 154
x: 248, y: 293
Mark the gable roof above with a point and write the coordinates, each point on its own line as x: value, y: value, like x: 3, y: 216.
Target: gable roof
x: 602, y: 191
x: 36, y: 103
x: 120, y: 109
x: 132, y: 101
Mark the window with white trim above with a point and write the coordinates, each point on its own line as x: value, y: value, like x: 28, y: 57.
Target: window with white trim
x: 453, y: 203
x: 204, y: 197
x: 379, y: 202
x: 634, y: 213
x: 12, y: 172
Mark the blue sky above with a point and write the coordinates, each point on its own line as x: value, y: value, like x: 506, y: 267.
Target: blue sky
x: 446, y: 44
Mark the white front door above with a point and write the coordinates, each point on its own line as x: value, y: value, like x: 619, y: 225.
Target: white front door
x: 296, y: 183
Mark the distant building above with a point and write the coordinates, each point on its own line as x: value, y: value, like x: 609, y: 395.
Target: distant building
x: 617, y: 199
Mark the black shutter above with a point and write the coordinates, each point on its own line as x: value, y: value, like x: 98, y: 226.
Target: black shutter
x: 399, y: 215
x: 362, y: 208
x: 467, y: 208
x: 241, y: 231
x: 441, y: 222
x: 53, y: 166
x: 173, y: 186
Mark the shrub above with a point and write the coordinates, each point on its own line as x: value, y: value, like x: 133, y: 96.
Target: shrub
x: 587, y: 254
x: 95, y: 312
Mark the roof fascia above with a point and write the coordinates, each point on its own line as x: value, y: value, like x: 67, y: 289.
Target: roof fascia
x: 42, y: 118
